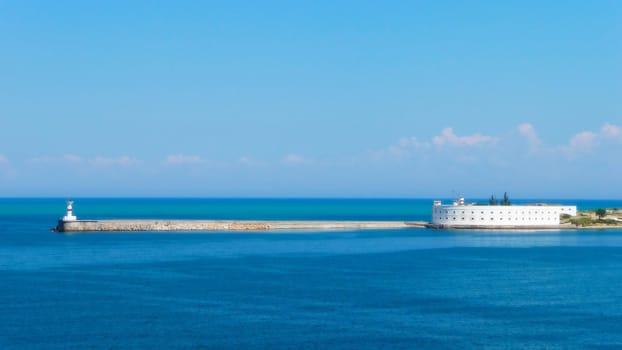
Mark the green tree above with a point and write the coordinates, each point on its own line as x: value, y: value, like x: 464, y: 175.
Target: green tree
x: 506, y: 199
x: 492, y: 200
x: 601, y: 213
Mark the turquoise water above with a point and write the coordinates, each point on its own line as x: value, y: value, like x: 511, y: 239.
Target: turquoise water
x: 404, y: 289
x: 304, y: 209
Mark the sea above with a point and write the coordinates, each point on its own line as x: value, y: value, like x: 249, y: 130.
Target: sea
x: 367, y: 289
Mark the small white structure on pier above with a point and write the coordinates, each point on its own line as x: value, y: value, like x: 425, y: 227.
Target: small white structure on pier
x: 69, y: 216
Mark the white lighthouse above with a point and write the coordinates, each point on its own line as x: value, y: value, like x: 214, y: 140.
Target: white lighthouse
x: 69, y: 216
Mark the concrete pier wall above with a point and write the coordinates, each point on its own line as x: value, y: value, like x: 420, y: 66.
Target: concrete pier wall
x: 224, y: 225
x: 499, y: 227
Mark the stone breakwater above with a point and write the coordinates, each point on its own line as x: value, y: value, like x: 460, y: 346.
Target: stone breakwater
x: 224, y: 225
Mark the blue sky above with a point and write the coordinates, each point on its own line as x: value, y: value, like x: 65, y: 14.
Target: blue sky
x: 311, y: 98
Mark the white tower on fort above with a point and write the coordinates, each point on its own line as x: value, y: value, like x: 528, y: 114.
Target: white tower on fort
x: 69, y: 216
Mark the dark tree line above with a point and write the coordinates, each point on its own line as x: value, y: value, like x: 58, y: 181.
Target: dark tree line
x: 505, y: 201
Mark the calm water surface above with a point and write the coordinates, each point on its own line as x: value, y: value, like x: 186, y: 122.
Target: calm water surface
x: 315, y: 290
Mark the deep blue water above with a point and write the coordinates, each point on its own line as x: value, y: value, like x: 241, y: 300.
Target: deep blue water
x: 409, y: 289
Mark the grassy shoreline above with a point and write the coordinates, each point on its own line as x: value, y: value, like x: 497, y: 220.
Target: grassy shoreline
x: 607, y: 218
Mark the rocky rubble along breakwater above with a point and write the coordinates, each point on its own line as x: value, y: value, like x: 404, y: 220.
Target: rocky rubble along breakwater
x: 223, y: 225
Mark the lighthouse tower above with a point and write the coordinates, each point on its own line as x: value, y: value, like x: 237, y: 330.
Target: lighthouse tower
x: 69, y: 216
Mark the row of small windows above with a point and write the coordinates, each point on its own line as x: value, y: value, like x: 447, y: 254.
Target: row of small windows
x: 529, y: 212
x: 509, y: 219
x: 506, y: 215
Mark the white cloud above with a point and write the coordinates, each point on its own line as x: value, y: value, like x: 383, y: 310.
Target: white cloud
x: 106, y: 161
x: 412, y: 142
x: 583, y: 140
x: 296, y: 159
x: 405, y: 148
x: 245, y: 160
x: 588, y: 141
x: 248, y: 161
x: 612, y: 131
x: 397, y: 151
x: 529, y: 133
x: 409, y: 147
x: 72, y: 158
x: 179, y: 159
x: 448, y: 137
x: 5, y: 167
x: 65, y: 159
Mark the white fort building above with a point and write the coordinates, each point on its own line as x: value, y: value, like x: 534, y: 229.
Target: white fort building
x: 470, y: 215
